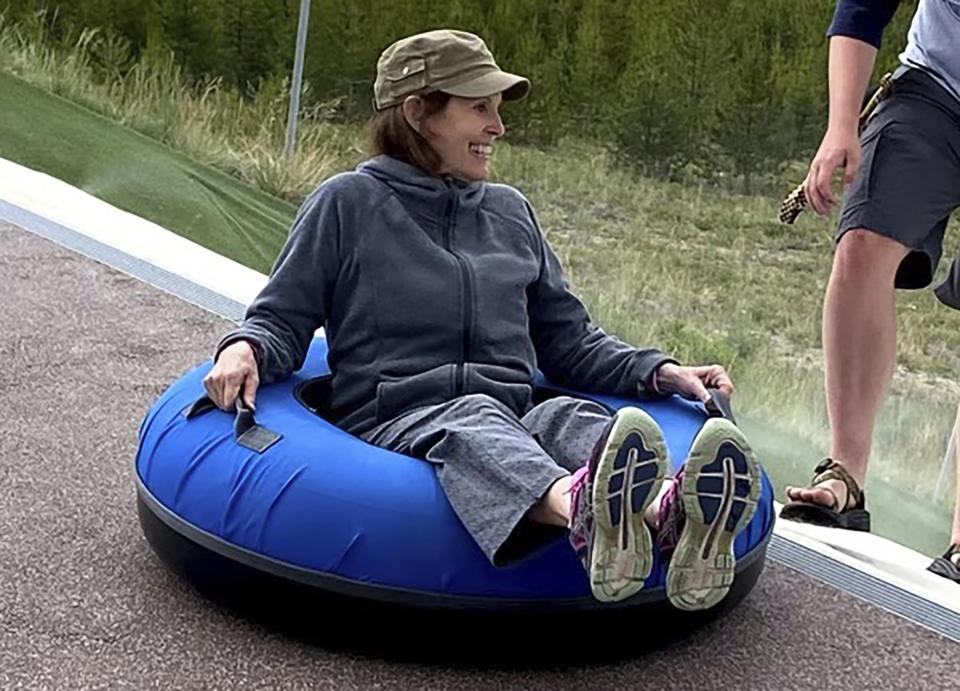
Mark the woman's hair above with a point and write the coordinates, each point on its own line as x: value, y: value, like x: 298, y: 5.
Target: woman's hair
x: 391, y: 135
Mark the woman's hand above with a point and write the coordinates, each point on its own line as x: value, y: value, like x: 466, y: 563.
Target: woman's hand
x: 235, y: 372
x: 693, y: 382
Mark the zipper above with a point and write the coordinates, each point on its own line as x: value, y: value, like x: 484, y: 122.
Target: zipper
x: 467, y: 320
x: 466, y: 293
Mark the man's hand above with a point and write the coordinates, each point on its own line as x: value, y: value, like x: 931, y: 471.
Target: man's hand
x: 693, y: 382
x: 839, y: 148
x: 235, y: 372
x: 850, y: 65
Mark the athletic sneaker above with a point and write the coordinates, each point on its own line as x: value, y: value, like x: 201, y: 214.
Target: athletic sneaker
x: 713, y: 499
x: 608, y: 498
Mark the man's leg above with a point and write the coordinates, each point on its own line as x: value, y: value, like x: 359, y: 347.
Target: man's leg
x: 859, y: 344
x: 948, y: 565
x: 955, y: 532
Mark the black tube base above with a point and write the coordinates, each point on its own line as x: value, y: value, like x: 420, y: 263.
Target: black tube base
x: 439, y: 635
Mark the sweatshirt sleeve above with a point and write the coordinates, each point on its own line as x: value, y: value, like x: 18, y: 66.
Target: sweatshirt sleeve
x: 281, y: 320
x: 571, y: 350
x: 862, y: 19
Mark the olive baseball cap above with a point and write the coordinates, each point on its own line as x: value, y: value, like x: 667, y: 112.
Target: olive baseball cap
x: 455, y: 62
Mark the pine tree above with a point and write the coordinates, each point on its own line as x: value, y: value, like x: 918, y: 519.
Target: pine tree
x: 650, y: 119
x: 588, y: 68
x: 189, y: 28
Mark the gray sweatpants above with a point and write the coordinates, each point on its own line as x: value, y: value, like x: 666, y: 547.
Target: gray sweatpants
x: 494, y: 466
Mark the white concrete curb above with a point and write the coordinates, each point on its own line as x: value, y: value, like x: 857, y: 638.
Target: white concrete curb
x: 72, y: 208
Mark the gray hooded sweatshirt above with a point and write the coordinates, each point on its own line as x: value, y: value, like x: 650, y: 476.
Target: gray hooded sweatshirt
x: 429, y: 289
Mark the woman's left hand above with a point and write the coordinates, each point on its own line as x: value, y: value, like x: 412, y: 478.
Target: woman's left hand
x: 693, y: 382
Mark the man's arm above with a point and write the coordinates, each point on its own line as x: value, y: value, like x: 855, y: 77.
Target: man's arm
x: 855, y: 34
x: 850, y: 66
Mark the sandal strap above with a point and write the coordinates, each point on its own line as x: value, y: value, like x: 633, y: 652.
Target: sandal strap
x: 829, y: 469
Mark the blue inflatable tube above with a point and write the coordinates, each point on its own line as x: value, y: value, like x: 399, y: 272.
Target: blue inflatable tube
x: 310, y: 505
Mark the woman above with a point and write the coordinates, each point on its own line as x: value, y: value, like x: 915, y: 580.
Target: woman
x: 440, y: 297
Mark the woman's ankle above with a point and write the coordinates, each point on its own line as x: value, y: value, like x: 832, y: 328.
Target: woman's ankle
x: 554, y: 507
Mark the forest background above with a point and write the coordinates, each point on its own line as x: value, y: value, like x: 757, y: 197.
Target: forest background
x: 686, y: 89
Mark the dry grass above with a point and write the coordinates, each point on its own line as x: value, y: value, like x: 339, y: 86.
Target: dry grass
x: 239, y: 133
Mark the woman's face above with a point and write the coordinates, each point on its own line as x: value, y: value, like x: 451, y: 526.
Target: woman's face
x: 463, y: 133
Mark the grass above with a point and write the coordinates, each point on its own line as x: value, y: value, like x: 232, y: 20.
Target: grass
x: 140, y: 175
x: 707, y: 275
x: 240, y: 134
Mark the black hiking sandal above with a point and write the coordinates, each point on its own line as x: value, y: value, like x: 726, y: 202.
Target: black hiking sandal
x: 854, y: 518
x: 945, y: 566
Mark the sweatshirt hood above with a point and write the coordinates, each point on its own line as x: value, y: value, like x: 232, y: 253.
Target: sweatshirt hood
x: 429, y: 194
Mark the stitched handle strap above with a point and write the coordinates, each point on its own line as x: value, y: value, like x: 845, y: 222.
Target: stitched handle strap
x: 248, y: 433
x: 719, y: 405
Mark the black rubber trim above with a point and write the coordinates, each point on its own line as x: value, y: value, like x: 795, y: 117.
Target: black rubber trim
x: 184, y: 546
x: 314, y: 395
x: 367, y: 626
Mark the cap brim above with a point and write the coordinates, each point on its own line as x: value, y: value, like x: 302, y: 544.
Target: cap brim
x: 511, y: 86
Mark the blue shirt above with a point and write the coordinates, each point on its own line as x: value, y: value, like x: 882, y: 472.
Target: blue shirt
x: 862, y: 19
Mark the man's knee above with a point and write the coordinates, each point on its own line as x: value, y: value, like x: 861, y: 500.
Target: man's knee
x: 862, y: 253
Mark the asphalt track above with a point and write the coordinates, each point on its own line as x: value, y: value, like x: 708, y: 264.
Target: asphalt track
x: 84, y: 602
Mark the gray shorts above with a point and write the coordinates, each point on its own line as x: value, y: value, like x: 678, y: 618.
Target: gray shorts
x: 909, y: 180
x: 493, y: 466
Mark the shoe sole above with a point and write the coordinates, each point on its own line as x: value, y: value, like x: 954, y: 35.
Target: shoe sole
x: 817, y: 514
x: 630, y: 471
x: 946, y: 568
x: 720, y: 491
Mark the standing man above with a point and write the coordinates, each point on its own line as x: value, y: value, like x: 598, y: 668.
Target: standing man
x: 903, y: 182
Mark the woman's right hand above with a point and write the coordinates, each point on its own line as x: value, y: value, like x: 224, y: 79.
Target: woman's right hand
x: 234, y: 372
